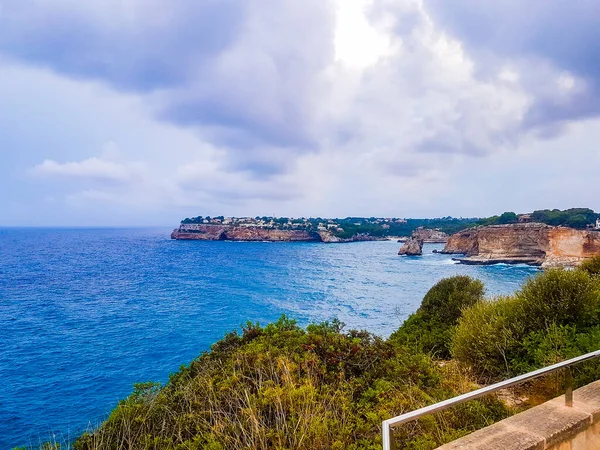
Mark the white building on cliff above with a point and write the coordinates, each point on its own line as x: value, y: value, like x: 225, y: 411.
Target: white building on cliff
x: 598, y: 224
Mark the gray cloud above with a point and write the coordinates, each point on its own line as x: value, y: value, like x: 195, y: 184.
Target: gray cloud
x: 532, y: 35
x: 246, y: 73
x: 134, y: 45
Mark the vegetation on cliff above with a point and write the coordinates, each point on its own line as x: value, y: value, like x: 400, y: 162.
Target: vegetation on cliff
x: 554, y: 316
x: 579, y: 218
x: 285, y: 387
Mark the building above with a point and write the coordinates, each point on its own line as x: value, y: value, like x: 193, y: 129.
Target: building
x: 524, y: 218
x: 598, y: 224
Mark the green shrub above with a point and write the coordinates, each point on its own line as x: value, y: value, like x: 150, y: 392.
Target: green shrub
x: 283, y: 387
x: 448, y: 297
x: 488, y: 336
x: 430, y: 329
x: 545, y: 322
x: 591, y: 266
x: 560, y: 296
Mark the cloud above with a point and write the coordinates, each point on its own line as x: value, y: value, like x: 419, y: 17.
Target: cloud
x: 244, y: 72
x: 545, y: 41
x: 133, y: 45
x: 92, y: 168
x: 250, y: 79
x: 337, y: 107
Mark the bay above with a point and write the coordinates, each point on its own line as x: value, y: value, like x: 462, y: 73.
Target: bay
x: 85, y: 313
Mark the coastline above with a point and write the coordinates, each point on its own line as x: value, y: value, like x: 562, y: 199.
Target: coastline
x: 258, y: 234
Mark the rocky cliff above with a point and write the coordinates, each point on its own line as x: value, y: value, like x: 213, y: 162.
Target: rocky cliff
x: 530, y: 243
x: 249, y: 234
x: 571, y: 247
x: 230, y: 233
x: 430, y: 236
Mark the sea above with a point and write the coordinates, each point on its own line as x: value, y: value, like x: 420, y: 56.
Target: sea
x: 86, y: 313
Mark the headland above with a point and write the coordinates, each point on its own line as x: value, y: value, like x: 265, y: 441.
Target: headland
x: 535, y: 244
x: 283, y: 229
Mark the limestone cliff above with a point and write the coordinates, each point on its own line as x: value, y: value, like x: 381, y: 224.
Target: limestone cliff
x: 464, y: 242
x: 571, y: 247
x: 430, y: 236
x: 230, y: 233
x: 530, y: 243
x: 249, y: 234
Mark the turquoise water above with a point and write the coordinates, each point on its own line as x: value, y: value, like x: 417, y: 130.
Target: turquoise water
x: 85, y: 313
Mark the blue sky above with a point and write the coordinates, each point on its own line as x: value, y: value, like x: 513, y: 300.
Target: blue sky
x: 138, y: 112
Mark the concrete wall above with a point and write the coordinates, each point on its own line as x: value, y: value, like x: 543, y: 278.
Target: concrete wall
x: 551, y: 426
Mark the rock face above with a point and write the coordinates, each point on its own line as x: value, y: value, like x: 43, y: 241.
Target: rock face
x: 569, y: 247
x: 464, y: 242
x: 529, y: 243
x: 412, y: 247
x: 430, y: 236
x: 228, y: 233
x: 249, y: 234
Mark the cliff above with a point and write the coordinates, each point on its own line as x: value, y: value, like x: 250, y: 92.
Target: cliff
x: 250, y: 234
x: 529, y: 243
x: 571, y: 247
x: 232, y: 233
x: 430, y: 236
x: 427, y: 235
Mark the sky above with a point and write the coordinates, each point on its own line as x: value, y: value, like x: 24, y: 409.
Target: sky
x: 143, y: 112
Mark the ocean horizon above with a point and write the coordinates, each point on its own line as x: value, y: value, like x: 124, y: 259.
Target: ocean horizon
x: 89, y: 311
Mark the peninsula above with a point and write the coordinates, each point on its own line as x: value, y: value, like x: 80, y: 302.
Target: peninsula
x: 349, y: 229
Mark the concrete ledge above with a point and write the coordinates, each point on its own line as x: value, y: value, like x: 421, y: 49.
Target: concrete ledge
x: 551, y: 425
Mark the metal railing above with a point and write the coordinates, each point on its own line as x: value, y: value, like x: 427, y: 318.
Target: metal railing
x: 388, y: 425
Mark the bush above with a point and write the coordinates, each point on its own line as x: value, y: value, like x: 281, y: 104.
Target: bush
x: 430, y: 328
x: 285, y: 387
x: 591, y: 266
x: 488, y: 336
x: 548, y: 320
x: 448, y: 297
x: 560, y: 296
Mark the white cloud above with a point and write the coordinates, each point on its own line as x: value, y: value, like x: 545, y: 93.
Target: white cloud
x: 92, y: 168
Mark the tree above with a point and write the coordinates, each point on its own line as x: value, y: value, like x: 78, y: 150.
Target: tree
x: 507, y: 217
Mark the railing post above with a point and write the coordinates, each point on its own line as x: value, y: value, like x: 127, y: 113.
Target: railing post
x: 388, y: 436
x: 568, y: 386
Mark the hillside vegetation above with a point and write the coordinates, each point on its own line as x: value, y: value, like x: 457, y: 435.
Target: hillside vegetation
x: 579, y: 218
x: 285, y: 387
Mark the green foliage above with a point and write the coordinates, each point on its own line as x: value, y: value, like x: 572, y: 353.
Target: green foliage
x: 431, y: 327
x: 507, y: 217
x: 447, y: 298
x: 494, y: 220
x: 487, y: 336
x: 574, y: 217
x: 591, y: 266
x: 557, y: 310
x: 560, y: 296
x: 283, y: 387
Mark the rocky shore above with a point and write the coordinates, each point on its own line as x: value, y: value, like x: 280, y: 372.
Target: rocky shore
x: 257, y: 234
x: 534, y: 244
